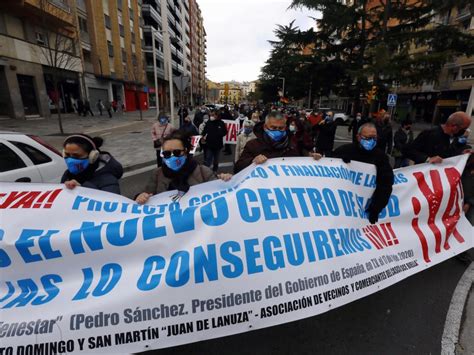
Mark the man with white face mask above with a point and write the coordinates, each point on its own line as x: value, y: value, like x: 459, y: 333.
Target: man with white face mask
x: 366, y: 151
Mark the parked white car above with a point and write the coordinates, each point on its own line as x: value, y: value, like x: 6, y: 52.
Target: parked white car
x: 27, y: 158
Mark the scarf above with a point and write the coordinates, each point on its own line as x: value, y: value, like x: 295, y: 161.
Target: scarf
x: 179, y: 179
x: 283, y: 144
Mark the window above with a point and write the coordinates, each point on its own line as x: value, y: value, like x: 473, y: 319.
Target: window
x: 110, y: 48
x: 107, y: 22
x: 132, y: 14
x: 83, y: 24
x: 40, y: 38
x: 9, y: 160
x: 36, y: 156
x: 122, y: 30
x: 119, y: 4
x: 124, y: 56
x: 468, y: 73
x: 133, y: 38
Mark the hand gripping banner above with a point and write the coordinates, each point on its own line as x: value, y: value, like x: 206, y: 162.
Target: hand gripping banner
x: 92, y: 272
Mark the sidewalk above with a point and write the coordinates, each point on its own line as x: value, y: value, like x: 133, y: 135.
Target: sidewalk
x: 125, y: 136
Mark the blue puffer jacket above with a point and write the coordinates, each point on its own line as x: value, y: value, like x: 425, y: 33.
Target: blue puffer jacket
x: 105, y: 177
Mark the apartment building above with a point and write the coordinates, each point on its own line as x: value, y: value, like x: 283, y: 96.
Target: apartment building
x: 111, y: 50
x: 435, y: 101
x: 167, y: 22
x: 198, y: 54
x: 37, y: 49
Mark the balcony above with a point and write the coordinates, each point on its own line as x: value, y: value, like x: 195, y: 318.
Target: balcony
x: 463, y: 14
x: 148, y: 9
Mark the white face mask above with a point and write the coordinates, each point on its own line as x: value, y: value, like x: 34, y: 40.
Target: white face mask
x: 358, y: 118
x: 292, y: 128
x: 212, y: 118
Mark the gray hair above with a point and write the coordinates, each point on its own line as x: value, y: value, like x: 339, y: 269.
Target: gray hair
x: 276, y: 115
x: 366, y: 125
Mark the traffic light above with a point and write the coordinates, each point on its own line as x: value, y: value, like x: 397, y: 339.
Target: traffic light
x: 372, y: 93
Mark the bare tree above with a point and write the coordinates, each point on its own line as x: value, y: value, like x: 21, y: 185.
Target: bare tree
x: 59, y: 49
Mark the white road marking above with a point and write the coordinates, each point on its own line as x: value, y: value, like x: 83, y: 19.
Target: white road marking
x: 456, y: 308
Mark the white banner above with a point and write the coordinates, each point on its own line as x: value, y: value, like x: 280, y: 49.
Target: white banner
x: 88, y: 271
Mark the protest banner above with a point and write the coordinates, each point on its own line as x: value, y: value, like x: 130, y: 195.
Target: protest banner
x: 87, y: 271
x: 195, y: 144
x: 232, y: 131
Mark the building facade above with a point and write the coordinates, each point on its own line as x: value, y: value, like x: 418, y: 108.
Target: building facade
x: 435, y: 101
x: 168, y: 24
x: 198, y: 54
x: 39, y: 61
x: 111, y: 50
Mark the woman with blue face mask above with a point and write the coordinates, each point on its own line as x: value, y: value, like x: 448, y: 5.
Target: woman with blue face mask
x: 179, y: 170
x: 87, y: 166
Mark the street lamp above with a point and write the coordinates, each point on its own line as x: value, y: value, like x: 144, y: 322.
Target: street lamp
x: 170, y: 72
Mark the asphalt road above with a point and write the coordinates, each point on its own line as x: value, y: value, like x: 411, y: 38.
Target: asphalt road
x: 406, y: 318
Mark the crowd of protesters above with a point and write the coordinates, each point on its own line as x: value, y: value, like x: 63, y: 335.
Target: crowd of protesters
x: 274, y: 133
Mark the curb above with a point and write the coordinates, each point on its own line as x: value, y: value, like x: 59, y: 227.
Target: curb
x: 452, y: 326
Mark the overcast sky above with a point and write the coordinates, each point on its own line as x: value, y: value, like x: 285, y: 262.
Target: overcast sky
x: 238, y: 32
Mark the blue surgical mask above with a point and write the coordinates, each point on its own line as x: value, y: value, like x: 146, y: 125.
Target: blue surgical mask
x: 275, y: 135
x: 163, y: 120
x: 76, y: 166
x: 368, y: 144
x: 462, y: 140
x: 248, y: 130
x: 175, y: 163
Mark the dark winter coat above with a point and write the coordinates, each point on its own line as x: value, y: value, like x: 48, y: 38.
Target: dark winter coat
x: 377, y: 157
x: 400, y: 140
x: 158, y: 182
x: 326, y: 133
x: 265, y: 146
x: 214, y: 131
x: 430, y: 143
x: 103, y: 175
x: 384, y: 137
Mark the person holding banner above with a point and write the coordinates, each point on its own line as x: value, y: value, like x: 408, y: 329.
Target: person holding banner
x: 87, y: 166
x: 365, y: 151
x: 435, y: 144
x: 273, y: 141
x: 179, y: 171
x: 159, y: 131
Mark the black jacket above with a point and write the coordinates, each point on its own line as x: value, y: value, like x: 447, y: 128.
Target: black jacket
x: 430, y: 143
x: 400, y: 140
x: 326, y: 133
x: 263, y: 145
x: 214, y: 131
x: 384, y: 137
x: 384, y: 180
x: 104, y: 175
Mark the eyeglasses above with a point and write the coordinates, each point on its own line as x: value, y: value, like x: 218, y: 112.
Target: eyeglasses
x: 363, y: 137
x: 176, y: 152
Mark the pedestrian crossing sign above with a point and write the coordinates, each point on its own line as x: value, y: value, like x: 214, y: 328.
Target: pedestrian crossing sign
x: 392, y: 100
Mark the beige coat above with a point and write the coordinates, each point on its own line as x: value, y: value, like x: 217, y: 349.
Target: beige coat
x: 242, y: 140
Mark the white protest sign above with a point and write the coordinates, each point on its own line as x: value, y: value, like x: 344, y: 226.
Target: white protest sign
x: 85, y: 271
x: 195, y: 143
x: 232, y: 131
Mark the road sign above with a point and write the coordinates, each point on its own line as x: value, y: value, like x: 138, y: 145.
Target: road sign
x: 392, y: 100
x: 181, y: 82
